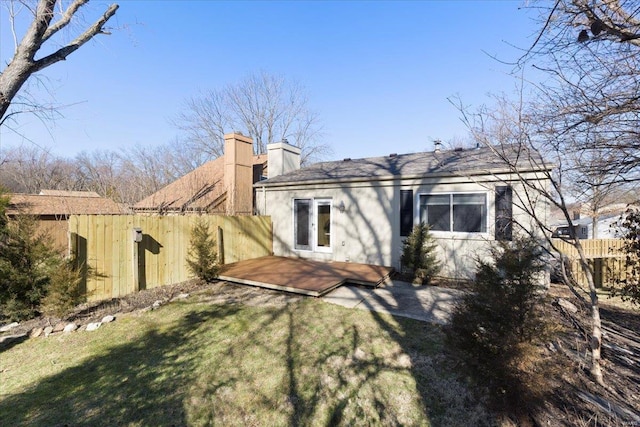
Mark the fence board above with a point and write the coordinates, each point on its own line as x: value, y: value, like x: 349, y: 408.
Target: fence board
x: 104, y: 243
x: 605, y: 256
x: 593, y: 248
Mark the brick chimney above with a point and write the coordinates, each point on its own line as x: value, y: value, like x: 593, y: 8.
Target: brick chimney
x: 238, y: 173
x: 282, y: 158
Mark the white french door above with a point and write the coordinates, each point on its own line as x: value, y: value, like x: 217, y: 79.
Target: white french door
x: 312, y: 224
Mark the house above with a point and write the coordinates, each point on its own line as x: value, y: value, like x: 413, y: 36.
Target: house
x: 361, y: 210
x: 606, y: 225
x: 52, y: 208
x: 222, y: 186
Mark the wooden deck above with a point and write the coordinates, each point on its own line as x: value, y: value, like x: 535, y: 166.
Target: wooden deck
x: 302, y: 276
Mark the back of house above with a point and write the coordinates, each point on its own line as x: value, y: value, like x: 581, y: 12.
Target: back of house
x: 361, y: 210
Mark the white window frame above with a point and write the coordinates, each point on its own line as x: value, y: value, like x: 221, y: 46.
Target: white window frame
x: 450, y: 232
x: 316, y: 203
x: 313, y: 224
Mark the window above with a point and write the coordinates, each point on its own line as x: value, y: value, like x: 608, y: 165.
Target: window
x: 323, y: 230
x: 302, y: 224
x: 406, y: 212
x: 312, y: 224
x: 504, y: 213
x: 460, y: 212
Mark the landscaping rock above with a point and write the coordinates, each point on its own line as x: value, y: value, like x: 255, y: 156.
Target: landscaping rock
x: 108, y: 319
x: 93, y: 326
x: 569, y: 306
x: 48, y: 331
x: 36, y: 332
x: 59, y: 327
x: 157, y: 304
x: 70, y: 327
x: 10, y: 326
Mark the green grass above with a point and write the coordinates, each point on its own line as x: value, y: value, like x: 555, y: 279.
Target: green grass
x: 190, y: 363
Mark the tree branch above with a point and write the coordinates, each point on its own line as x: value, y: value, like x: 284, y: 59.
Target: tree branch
x: 62, y: 53
x: 64, y: 20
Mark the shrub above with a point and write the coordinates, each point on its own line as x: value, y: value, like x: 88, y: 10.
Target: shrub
x: 495, y: 327
x: 63, y: 292
x: 627, y: 285
x: 418, y: 254
x: 26, y: 260
x: 33, y: 276
x: 202, y: 258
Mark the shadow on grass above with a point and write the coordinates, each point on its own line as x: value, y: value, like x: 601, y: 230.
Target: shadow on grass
x: 10, y: 341
x: 304, y: 363
x: 411, y: 323
x: 139, y: 382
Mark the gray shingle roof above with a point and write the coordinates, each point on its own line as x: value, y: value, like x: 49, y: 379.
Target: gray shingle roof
x: 448, y: 162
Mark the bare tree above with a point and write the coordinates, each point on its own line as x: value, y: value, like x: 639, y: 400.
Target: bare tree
x: 588, y: 106
x: 43, y: 27
x: 99, y: 171
x: 145, y: 170
x: 592, y: 187
x: 590, y: 51
x: 516, y: 124
x: 269, y: 108
x: 126, y: 176
x: 31, y: 169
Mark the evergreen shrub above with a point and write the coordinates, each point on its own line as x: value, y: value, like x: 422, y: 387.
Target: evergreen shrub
x: 202, y: 257
x: 418, y: 255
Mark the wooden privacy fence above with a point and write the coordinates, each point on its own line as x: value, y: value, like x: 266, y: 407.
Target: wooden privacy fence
x: 605, y: 257
x: 114, y: 264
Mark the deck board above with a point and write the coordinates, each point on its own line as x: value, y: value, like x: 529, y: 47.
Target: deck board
x: 302, y: 276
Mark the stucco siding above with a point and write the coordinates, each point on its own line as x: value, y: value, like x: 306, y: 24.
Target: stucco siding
x: 368, y: 230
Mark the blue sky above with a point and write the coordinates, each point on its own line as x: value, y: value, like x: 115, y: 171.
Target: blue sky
x: 378, y: 73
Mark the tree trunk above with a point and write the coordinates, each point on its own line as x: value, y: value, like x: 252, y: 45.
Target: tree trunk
x: 596, y: 324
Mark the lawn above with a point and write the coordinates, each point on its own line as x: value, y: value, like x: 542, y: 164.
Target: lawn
x: 196, y: 362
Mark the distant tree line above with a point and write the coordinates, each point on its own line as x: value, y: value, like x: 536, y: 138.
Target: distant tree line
x: 125, y: 176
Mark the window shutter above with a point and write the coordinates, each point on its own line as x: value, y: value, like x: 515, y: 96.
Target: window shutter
x: 504, y: 213
x: 406, y: 212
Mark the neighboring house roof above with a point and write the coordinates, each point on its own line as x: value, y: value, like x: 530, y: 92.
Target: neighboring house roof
x: 65, y: 193
x: 201, y: 189
x: 587, y: 220
x: 78, y: 203
x: 437, y: 163
x: 579, y: 210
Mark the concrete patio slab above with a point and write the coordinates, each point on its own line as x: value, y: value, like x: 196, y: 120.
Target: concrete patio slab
x: 426, y: 303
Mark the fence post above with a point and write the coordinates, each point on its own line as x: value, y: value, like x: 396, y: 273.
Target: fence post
x: 136, y: 239
x: 220, y: 242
